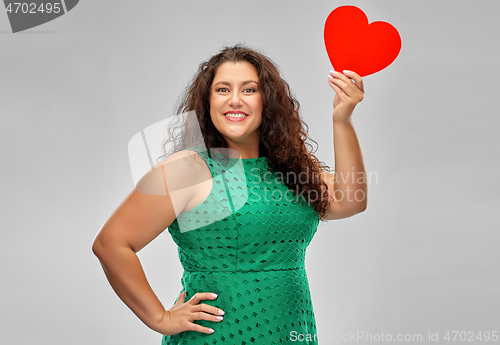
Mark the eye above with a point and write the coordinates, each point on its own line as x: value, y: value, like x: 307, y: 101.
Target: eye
x: 250, y: 90
x: 222, y: 89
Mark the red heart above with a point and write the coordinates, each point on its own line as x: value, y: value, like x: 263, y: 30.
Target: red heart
x: 354, y: 45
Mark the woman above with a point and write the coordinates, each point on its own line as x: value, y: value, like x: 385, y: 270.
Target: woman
x: 244, y: 279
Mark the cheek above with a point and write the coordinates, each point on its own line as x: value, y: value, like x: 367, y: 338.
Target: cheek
x: 213, y: 106
x: 215, y: 103
x: 260, y: 105
x: 210, y: 102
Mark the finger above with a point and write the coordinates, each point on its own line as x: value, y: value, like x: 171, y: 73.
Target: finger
x: 346, y: 84
x: 338, y: 75
x: 199, y: 315
x: 337, y: 89
x: 356, y: 77
x: 351, y: 83
x: 208, y: 308
x: 349, y: 88
x: 198, y: 328
x: 341, y: 84
x: 341, y: 95
x: 201, y: 296
x: 340, y: 88
x: 182, y: 298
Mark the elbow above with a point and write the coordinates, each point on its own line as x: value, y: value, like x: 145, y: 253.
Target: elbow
x: 97, y: 247
x: 361, y: 204
x: 102, y: 243
x: 355, y: 209
x: 361, y: 207
x: 339, y: 211
x: 106, y: 245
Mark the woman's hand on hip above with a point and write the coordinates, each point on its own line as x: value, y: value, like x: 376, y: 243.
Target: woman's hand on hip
x: 349, y: 92
x: 180, y: 317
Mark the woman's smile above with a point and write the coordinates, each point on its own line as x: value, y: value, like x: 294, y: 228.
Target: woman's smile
x: 234, y: 115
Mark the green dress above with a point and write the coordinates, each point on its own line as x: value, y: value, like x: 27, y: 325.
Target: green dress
x: 253, y: 258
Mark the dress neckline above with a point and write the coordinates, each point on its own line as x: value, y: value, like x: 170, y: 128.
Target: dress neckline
x: 253, y: 159
x: 245, y: 159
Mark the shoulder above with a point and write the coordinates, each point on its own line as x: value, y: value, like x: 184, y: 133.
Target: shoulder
x: 151, y: 207
x: 183, y: 170
x: 185, y: 163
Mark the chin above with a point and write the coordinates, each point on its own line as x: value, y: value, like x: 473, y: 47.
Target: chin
x: 235, y: 138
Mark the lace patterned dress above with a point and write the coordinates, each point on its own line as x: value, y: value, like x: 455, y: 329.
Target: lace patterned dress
x: 253, y: 258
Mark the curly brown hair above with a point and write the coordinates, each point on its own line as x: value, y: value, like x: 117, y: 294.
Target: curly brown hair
x: 283, y: 133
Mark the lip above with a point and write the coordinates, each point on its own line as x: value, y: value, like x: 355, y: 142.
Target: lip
x: 235, y: 119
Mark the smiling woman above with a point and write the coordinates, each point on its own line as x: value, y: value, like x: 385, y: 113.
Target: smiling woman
x: 236, y: 106
x: 244, y: 257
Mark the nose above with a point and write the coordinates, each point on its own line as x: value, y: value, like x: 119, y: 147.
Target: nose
x: 235, y: 100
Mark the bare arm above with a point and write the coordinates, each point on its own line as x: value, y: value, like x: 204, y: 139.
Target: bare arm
x: 138, y: 220
x: 348, y: 184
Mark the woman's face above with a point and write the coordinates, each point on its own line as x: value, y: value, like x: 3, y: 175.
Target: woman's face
x: 235, y: 91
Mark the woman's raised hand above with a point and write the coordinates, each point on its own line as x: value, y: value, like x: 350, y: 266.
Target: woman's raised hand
x: 349, y: 92
x: 180, y: 317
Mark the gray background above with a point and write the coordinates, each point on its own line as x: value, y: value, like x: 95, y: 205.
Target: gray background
x: 422, y: 258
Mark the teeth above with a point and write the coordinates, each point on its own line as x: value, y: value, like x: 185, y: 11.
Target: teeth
x: 235, y: 115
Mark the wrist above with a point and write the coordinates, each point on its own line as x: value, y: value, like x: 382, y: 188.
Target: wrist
x: 342, y: 122
x: 158, y: 324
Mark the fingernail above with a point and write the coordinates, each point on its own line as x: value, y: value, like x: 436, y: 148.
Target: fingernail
x: 345, y: 71
x: 221, y: 312
x: 214, y: 295
x: 330, y: 77
x: 211, y: 330
x: 219, y: 317
x: 332, y: 72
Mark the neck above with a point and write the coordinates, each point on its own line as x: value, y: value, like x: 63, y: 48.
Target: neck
x: 246, y: 149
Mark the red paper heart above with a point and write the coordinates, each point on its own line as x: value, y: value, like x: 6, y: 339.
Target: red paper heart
x: 354, y: 45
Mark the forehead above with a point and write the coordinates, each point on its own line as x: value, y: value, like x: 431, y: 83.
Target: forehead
x: 235, y: 71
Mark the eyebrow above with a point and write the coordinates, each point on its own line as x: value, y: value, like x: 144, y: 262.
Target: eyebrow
x: 244, y: 83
